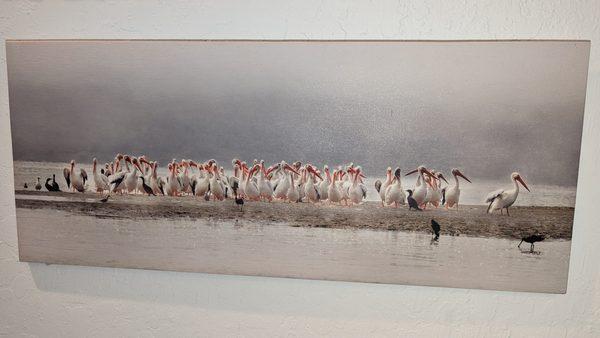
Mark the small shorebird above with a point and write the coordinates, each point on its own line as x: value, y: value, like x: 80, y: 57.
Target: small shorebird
x: 38, y: 185
x: 531, y: 239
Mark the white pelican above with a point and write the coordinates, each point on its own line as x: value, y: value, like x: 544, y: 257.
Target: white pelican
x: 283, y: 184
x: 503, y: 199
x: 451, y: 195
x: 172, y: 186
x: 118, y: 175
x: 334, y: 192
x: 292, y: 193
x: 77, y: 179
x: 250, y: 187
x: 357, y: 190
x: 311, y: 190
x: 100, y: 180
x: 264, y: 185
x: 184, y: 178
x: 381, y: 187
x: 216, y: 187
x: 131, y: 179
x: 420, y: 192
x: 394, y: 192
x: 324, y: 184
x: 202, y: 181
x: 436, y: 189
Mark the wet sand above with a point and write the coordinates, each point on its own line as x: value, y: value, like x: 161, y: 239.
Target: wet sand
x: 554, y: 222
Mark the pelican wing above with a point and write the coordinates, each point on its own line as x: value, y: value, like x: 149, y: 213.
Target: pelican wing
x: 193, y: 185
x: 84, y: 175
x: 493, y: 195
x: 364, y: 190
x: 67, y: 175
x: 378, y: 185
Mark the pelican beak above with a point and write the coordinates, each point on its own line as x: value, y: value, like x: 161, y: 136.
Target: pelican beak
x: 522, y: 183
x: 288, y: 167
x: 315, y: 172
x: 270, y: 169
x: 411, y: 172
x: 458, y: 173
x: 429, y: 173
x: 442, y: 177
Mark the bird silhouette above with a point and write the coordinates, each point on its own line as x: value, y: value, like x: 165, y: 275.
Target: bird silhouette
x: 48, y: 185
x: 25, y: 185
x: 147, y: 188
x: 105, y: 199
x: 531, y: 239
x: 412, y: 203
x: 55, y: 186
x: 435, y: 226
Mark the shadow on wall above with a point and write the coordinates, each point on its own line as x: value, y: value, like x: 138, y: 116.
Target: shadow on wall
x: 280, y: 296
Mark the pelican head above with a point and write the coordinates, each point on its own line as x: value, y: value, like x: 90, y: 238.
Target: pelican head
x: 396, y: 172
x: 517, y: 177
x: 440, y: 176
x: 457, y: 172
x: 421, y: 170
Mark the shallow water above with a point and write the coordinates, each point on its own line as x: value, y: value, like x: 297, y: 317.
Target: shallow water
x: 471, y: 194
x: 280, y: 250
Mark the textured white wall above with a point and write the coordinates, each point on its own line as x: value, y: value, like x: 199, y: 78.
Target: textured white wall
x: 36, y: 299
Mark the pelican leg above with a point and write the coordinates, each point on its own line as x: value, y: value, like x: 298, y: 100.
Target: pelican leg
x: 519, y: 246
x: 507, y: 213
x: 501, y: 211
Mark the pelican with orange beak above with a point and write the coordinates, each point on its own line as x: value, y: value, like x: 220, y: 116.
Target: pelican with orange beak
x: 451, y: 195
x: 420, y: 192
x: 283, y: 185
x: 504, y: 199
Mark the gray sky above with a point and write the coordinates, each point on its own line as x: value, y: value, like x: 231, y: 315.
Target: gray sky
x: 489, y: 108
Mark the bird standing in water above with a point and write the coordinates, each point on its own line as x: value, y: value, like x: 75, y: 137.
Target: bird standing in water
x: 38, y: 185
x: 435, y: 226
x: 531, y: 239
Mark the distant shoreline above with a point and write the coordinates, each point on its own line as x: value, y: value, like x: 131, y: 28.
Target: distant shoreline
x: 554, y: 222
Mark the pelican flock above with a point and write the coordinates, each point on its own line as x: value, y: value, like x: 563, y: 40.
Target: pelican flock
x: 291, y: 183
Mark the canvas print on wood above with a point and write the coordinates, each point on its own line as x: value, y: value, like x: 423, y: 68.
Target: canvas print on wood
x: 443, y: 163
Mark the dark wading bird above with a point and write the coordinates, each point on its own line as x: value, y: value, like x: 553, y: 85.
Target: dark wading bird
x: 238, y: 199
x: 55, y: 186
x: 147, y: 188
x: 435, y: 226
x: 412, y: 203
x: 25, y: 185
x: 531, y: 239
x: 38, y: 185
x: 47, y: 184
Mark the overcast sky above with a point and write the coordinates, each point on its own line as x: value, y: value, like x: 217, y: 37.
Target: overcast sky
x: 489, y: 108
